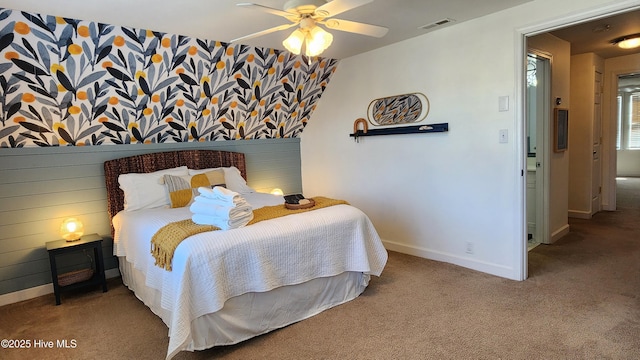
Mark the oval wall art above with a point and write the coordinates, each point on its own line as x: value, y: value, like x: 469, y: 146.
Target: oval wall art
x: 398, y: 109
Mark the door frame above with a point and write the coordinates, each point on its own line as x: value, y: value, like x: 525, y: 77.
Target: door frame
x: 521, y: 35
x: 543, y: 150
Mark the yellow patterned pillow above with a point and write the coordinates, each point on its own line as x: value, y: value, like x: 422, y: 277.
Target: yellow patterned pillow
x: 216, y: 177
x: 182, y: 189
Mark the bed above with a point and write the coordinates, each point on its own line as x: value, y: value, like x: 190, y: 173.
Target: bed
x: 228, y: 286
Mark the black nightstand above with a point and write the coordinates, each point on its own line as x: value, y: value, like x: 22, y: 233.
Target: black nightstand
x: 58, y: 247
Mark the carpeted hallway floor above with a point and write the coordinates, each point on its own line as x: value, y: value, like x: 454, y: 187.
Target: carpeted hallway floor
x: 581, y: 301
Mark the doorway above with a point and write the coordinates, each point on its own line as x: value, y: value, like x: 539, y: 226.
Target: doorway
x: 538, y: 113
x: 628, y: 140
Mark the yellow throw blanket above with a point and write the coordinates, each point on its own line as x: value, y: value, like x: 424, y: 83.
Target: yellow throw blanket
x: 167, y: 239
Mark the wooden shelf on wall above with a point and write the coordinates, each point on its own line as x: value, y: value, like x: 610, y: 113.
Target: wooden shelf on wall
x: 417, y: 129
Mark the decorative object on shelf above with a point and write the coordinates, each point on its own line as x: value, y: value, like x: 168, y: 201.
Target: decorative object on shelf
x: 560, y: 130
x: 428, y: 128
x: 356, y: 125
x: 71, y: 229
x: 398, y: 109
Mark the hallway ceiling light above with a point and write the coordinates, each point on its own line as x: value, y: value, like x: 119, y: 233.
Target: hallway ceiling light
x: 627, y: 42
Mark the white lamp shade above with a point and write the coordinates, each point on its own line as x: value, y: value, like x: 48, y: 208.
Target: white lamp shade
x: 71, y: 229
x: 294, y: 42
x: 317, y: 41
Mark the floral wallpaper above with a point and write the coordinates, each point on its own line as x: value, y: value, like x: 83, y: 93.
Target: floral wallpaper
x: 73, y: 82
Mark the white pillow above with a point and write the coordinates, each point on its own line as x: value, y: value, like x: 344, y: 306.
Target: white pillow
x: 145, y: 191
x: 232, y: 177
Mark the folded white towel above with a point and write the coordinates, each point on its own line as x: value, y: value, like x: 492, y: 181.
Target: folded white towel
x: 240, y: 201
x: 222, y: 223
x: 204, y: 207
x: 219, y: 193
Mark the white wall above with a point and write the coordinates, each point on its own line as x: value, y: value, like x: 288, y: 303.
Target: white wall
x: 431, y: 194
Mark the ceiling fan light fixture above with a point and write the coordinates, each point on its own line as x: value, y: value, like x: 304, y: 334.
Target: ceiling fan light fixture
x: 627, y: 42
x: 318, y: 41
x: 294, y: 42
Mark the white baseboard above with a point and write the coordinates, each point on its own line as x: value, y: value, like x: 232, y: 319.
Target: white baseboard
x: 556, y: 235
x: 41, y: 290
x: 579, y: 214
x: 473, y: 264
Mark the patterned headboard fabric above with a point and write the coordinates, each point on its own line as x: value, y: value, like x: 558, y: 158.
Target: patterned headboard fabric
x: 146, y: 163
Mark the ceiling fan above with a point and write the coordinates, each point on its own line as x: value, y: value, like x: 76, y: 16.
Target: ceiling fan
x: 307, y: 15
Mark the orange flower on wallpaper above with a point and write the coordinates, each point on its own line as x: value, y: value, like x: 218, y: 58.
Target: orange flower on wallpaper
x: 21, y: 28
x: 156, y: 58
x: 28, y: 97
x: 84, y: 31
x: 118, y: 41
x: 11, y: 55
x: 74, y: 49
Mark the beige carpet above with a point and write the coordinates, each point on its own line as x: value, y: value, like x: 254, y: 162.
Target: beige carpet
x: 582, y: 301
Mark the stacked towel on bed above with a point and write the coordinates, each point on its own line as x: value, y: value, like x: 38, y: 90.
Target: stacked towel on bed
x: 220, y: 207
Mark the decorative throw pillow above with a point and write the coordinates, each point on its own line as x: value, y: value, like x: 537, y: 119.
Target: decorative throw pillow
x: 232, y: 178
x: 216, y: 177
x: 144, y: 190
x: 183, y: 189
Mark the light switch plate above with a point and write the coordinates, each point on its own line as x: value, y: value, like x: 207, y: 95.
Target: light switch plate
x: 503, y: 103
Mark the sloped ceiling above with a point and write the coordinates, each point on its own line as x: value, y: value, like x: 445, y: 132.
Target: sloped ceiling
x: 222, y: 20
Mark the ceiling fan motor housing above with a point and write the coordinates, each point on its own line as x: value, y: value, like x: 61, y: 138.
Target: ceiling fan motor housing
x: 303, y: 6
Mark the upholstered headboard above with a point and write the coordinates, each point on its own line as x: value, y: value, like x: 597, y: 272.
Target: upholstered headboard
x: 146, y: 163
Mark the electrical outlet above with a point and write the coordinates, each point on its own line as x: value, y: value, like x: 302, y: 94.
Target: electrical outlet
x: 503, y: 136
x: 469, y: 249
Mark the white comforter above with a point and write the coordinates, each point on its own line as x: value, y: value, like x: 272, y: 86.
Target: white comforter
x: 211, y: 267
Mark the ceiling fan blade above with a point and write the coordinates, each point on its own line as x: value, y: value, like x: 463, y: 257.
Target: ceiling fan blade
x: 356, y: 27
x: 270, y: 10
x: 264, y: 32
x: 335, y: 7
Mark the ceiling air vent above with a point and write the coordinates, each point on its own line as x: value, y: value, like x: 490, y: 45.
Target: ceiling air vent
x: 436, y: 23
